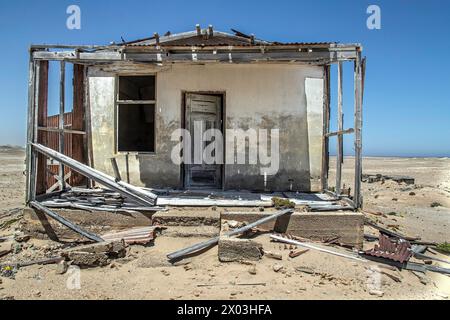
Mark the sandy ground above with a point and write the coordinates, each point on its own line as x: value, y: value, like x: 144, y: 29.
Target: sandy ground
x: 145, y: 273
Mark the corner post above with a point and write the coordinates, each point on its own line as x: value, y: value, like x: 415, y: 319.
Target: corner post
x: 326, y: 128
x: 358, y: 130
x: 340, y: 138
x: 30, y: 128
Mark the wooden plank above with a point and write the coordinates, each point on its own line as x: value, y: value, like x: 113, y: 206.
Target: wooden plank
x: 34, y: 155
x: 340, y: 133
x: 78, y: 112
x: 209, y: 54
x: 42, y: 110
x: 340, y: 138
x: 136, y: 101
x: 67, y: 131
x: 358, y: 136
x: 30, y: 128
x: 61, y: 119
x: 116, y: 169
x: 326, y: 128
x: 88, y: 137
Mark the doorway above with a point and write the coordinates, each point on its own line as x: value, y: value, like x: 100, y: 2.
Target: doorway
x: 202, y: 112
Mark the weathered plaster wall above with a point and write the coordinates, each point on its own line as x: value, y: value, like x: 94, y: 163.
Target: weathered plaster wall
x: 257, y: 96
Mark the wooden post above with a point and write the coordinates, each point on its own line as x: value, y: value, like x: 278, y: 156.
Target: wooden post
x: 116, y: 169
x: 340, y: 137
x: 34, y: 155
x: 78, y: 147
x: 30, y: 128
x: 62, y: 78
x: 42, y: 111
x: 87, y: 127
x: 326, y: 128
x: 358, y: 126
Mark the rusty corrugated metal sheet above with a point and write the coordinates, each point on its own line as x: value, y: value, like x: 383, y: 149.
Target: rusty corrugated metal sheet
x: 219, y: 38
x: 400, y: 251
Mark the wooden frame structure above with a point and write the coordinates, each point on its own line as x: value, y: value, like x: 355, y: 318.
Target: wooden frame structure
x: 321, y: 54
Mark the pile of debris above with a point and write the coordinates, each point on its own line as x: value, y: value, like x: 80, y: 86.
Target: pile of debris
x: 235, y: 244
x: 99, y: 199
x: 372, y: 178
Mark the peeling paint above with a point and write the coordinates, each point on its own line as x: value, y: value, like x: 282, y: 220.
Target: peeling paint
x: 257, y: 96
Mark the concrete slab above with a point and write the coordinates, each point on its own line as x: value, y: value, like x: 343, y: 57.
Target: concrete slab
x: 187, y: 217
x: 235, y: 249
x: 191, y: 231
x: 346, y: 225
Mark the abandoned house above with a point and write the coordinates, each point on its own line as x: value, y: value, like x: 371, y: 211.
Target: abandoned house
x: 130, y: 98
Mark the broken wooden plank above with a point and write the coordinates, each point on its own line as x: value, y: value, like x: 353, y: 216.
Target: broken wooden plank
x: 340, y: 132
x: 145, y: 198
x: 140, y: 235
x: 206, y: 244
x: 65, y: 222
x: 115, y: 169
x: 294, y: 254
x: 273, y: 255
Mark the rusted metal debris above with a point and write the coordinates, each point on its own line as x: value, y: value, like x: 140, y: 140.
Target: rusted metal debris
x: 142, y: 235
x: 397, y: 251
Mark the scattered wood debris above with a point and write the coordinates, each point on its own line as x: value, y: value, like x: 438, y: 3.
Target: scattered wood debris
x: 371, y: 178
x: 294, y: 254
x: 273, y: 255
x: 315, y: 247
x: 141, y: 235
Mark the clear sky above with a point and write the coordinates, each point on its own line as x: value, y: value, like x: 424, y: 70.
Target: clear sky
x: 407, y: 91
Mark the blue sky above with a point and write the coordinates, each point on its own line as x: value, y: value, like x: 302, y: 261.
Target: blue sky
x: 407, y: 93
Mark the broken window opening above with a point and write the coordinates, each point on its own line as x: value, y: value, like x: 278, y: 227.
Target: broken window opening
x: 136, y: 128
x: 137, y: 88
x: 136, y: 107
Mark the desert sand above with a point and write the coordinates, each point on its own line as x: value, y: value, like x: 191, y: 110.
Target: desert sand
x: 145, y: 273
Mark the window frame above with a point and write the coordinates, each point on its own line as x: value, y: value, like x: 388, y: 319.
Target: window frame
x: 118, y: 102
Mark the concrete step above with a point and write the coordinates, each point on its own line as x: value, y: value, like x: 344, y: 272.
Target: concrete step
x: 187, y: 217
x: 191, y: 231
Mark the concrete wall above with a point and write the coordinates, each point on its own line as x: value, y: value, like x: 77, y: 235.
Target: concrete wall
x: 256, y: 96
